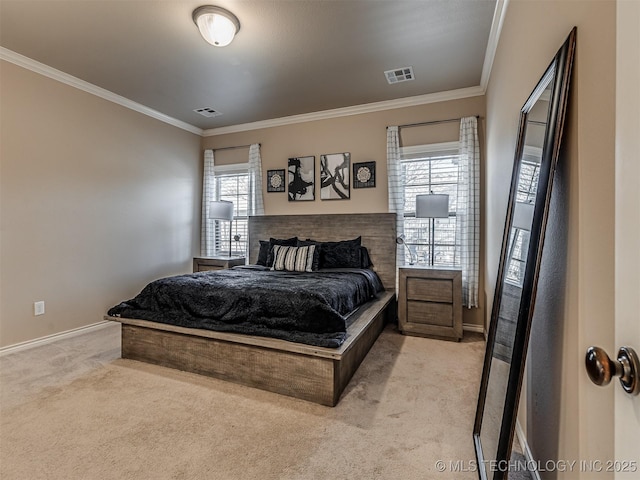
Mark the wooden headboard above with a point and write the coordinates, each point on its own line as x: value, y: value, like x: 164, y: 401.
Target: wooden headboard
x: 378, y: 232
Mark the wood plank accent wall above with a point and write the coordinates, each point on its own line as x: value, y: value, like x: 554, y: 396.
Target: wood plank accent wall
x: 378, y: 232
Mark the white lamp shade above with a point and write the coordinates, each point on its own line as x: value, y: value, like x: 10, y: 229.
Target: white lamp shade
x: 523, y: 216
x: 221, y: 210
x: 217, y: 25
x: 432, y: 206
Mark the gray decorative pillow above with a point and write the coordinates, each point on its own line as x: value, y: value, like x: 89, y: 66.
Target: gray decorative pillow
x: 269, y: 250
x: 365, y: 260
x: 293, y: 259
x: 263, y: 254
x: 343, y: 254
x: 316, y: 255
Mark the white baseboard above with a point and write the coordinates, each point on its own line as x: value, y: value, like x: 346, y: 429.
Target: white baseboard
x: 51, y: 338
x: 467, y: 327
x: 526, y: 451
x: 471, y: 327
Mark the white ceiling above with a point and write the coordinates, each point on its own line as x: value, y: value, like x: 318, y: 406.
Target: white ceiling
x: 290, y: 57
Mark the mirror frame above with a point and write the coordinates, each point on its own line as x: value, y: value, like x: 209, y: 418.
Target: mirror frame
x: 560, y: 67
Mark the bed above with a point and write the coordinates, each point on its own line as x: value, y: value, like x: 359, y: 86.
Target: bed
x: 306, y: 371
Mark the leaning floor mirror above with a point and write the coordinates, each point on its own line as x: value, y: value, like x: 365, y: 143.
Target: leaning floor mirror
x: 537, y: 149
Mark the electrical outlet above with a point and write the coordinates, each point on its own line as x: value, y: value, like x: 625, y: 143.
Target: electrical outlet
x: 38, y: 308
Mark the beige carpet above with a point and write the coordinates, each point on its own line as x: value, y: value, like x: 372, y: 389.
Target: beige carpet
x: 74, y: 410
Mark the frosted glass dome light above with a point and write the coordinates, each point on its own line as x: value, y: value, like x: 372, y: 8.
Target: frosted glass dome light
x: 217, y: 25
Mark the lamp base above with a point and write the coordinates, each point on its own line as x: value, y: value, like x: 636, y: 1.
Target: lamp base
x: 432, y: 247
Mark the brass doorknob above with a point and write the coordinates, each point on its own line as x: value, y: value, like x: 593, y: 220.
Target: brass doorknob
x: 601, y: 369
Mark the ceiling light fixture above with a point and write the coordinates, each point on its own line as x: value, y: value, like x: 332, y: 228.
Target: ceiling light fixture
x: 217, y: 25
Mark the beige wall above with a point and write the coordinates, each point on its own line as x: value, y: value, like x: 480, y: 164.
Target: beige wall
x: 532, y: 33
x: 108, y: 199
x: 96, y: 200
x: 364, y: 136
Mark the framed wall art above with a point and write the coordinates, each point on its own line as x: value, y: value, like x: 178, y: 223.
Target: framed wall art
x: 364, y: 175
x: 334, y: 176
x: 275, y: 180
x: 301, y: 178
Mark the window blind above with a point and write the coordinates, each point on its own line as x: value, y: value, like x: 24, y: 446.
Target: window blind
x: 233, y: 187
x: 424, y: 172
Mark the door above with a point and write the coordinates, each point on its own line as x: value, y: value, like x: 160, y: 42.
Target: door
x: 627, y: 233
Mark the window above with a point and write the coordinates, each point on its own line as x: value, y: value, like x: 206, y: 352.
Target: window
x: 430, y: 169
x: 232, y: 185
x: 526, y: 194
x: 519, y: 246
x: 240, y: 184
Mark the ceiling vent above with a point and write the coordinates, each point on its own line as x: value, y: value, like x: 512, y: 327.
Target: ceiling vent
x: 207, y: 112
x: 399, y: 75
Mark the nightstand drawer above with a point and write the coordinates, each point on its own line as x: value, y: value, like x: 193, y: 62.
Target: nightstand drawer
x: 440, y: 314
x: 430, y: 302
x: 205, y: 264
x: 207, y: 268
x: 430, y: 289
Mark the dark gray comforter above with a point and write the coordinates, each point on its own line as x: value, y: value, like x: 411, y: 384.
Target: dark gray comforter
x: 300, y: 307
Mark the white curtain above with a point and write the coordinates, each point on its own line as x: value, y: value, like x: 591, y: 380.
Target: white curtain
x: 468, y: 210
x: 207, y: 229
x: 256, y: 202
x: 396, y: 186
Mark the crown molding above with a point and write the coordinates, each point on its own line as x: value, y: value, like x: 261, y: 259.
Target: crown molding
x: 492, y: 45
x: 47, y: 71
x: 347, y: 111
x: 494, y: 36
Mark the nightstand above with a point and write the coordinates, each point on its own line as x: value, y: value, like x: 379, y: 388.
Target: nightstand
x: 202, y: 264
x: 430, y: 302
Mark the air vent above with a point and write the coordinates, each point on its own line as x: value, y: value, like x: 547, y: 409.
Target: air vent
x: 207, y: 112
x: 399, y: 75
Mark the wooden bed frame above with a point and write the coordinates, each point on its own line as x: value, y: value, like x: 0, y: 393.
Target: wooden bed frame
x: 307, y: 372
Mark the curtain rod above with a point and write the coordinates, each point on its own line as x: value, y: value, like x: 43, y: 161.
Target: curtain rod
x: 232, y: 148
x: 432, y: 122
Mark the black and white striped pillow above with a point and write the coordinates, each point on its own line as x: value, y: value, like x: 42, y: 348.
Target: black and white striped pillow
x: 293, y: 259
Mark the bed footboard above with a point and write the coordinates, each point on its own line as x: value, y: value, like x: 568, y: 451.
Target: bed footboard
x: 310, y: 373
